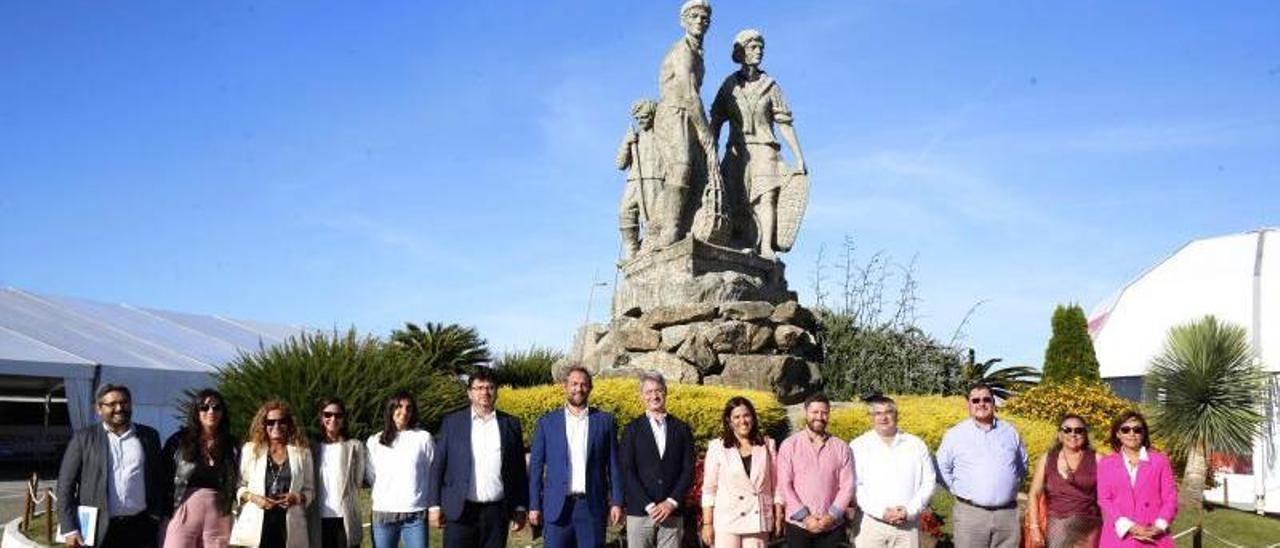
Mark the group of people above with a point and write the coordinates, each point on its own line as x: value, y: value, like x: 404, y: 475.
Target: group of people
x: 201, y: 488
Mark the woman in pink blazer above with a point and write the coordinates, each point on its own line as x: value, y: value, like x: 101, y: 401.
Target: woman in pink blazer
x: 740, y: 507
x: 1136, y: 491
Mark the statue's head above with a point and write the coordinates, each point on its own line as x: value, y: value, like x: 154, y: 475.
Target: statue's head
x: 748, y: 47
x: 695, y: 16
x: 642, y: 110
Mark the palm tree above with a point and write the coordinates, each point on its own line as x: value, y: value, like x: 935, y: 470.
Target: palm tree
x: 1206, y: 392
x: 1005, y: 382
x: 445, y: 348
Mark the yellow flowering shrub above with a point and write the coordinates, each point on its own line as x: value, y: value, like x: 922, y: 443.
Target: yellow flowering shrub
x: 929, y: 417
x: 1093, y: 401
x: 699, y: 406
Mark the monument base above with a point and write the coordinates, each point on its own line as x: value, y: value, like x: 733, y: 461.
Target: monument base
x: 694, y: 271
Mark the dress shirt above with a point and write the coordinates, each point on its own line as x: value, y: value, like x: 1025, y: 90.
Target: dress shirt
x: 486, y: 458
x: 658, y: 422
x: 1123, y: 524
x: 983, y: 466
x: 127, y: 485
x: 898, y: 473
x: 815, y: 478
x: 576, y: 428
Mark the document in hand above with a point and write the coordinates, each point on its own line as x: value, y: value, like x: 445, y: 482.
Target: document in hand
x: 88, y: 525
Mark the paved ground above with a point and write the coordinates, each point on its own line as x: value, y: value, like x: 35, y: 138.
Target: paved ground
x: 13, y: 485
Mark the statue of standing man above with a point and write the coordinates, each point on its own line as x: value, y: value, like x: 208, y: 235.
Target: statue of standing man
x: 752, y: 102
x: 638, y: 154
x: 681, y: 123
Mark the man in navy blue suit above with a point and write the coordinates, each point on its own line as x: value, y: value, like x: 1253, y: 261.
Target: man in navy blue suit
x: 573, y: 469
x: 477, y: 481
x: 657, y: 463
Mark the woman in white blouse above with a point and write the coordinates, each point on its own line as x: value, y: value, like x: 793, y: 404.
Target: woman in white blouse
x: 340, y: 463
x: 399, y: 458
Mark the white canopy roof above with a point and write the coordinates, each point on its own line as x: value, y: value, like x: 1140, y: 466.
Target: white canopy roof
x: 1235, y: 278
x: 157, y: 354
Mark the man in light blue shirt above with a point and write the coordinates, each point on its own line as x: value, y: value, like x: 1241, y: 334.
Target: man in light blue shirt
x: 982, y: 461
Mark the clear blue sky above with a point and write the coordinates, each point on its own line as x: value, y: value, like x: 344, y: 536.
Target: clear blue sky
x: 370, y: 163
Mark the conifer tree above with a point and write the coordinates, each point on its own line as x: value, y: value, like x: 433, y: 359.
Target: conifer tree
x: 1070, y: 352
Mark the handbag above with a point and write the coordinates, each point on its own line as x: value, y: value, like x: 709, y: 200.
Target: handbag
x: 247, y: 529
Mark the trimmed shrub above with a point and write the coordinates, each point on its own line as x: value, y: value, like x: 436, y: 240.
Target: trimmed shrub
x: 1092, y: 400
x: 1070, y: 353
x: 931, y: 416
x: 523, y: 368
x: 700, y: 406
x: 363, y: 371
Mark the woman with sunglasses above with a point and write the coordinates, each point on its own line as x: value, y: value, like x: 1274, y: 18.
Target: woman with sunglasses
x: 276, y: 482
x: 201, y: 475
x: 1136, y: 491
x: 340, y: 463
x: 399, y: 459
x: 1066, y: 478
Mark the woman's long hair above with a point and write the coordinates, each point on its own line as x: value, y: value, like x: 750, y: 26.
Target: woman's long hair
x: 326, y: 402
x: 726, y: 425
x: 189, y: 444
x: 258, y: 429
x: 389, y: 431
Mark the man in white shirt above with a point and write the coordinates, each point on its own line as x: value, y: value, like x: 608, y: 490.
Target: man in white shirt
x: 113, y: 466
x: 478, y: 482
x: 894, y: 477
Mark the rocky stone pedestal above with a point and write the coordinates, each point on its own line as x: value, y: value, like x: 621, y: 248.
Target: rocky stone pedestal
x: 693, y: 271
x: 751, y: 344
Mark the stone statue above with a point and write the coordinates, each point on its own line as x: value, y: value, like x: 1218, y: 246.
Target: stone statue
x: 689, y: 150
x: 638, y: 154
x: 765, y: 188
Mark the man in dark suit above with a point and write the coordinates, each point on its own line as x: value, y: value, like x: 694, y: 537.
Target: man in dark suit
x: 113, y: 466
x: 573, y: 469
x: 478, y: 481
x: 657, y: 469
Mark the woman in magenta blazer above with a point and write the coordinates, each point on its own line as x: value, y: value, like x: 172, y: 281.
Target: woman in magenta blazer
x: 1136, y: 491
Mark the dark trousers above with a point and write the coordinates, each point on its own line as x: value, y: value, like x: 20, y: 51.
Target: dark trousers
x: 576, y: 528
x: 136, y: 531
x: 481, y: 525
x: 333, y: 533
x: 274, y: 531
x: 798, y: 537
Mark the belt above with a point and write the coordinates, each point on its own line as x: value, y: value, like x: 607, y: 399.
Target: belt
x: 576, y: 496
x: 131, y: 517
x: 1005, y: 506
x: 906, y: 524
x: 488, y: 503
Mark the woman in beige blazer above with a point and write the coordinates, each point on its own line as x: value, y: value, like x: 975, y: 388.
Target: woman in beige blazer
x: 277, y: 482
x: 740, y: 507
x: 339, y: 467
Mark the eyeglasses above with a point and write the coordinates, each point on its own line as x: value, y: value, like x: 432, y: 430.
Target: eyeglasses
x: 984, y: 399
x: 282, y: 423
x: 1134, y: 429
x: 333, y: 414
x: 210, y: 407
x: 117, y: 403
x: 1073, y: 430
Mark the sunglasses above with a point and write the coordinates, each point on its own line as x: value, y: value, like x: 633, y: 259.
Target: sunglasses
x: 985, y: 399
x: 1134, y: 429
x: 1073, y: 430
x: 210, y: 407
x: 332, y: 414
x: 277, y: 422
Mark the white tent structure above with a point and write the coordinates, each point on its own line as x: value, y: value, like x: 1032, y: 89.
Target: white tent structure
x: 1235, y: 278
x: 157, y: 354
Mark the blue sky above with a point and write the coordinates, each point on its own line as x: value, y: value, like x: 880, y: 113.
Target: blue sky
x: 366, y: 164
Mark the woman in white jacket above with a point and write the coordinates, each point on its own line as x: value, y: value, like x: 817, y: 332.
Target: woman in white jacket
x: 277, y: 482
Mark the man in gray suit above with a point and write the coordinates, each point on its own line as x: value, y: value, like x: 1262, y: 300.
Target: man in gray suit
x: 115, y: 467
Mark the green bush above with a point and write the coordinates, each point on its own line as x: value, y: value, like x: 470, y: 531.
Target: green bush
x: 363, y: 371
x: 1070, y: 353
x: 522, y: 368
x: 1092, y: 400
x: 700, y: 406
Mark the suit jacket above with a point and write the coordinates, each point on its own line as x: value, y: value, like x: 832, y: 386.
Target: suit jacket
x: 453, y: 469
x: 549, y: 473
x: 352, y: 462
x: 83, y: 477
x: 1153, y: 496
x: 743, y: 503
x: 650, y: 478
